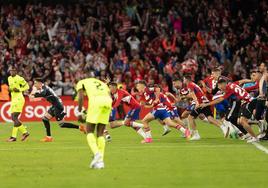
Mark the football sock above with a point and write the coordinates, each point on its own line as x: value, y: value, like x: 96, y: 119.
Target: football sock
x: 69, y: 125
x: 240, y: 127
x: 14, y: 132
x: 47, y: 126
x: 135, y: 124
x: 148, y: 133
x: 180, y: 128
x: 141, y: 132
x: 186, y: 122
x: 22, y: 129
x: 205, y: 119
x: 223, y: 127
x: 101, y: 145
x: 91, y: 140
x: 165, y: 127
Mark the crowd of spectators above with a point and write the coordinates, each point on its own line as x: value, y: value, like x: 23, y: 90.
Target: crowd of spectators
x: 130, y: 40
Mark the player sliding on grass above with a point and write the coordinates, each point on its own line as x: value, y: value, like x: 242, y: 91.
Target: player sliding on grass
x: 17, y: 85
x: 122, y: 96
x: 56, y: 110
x: 247, y: 101
x: 99, y: 109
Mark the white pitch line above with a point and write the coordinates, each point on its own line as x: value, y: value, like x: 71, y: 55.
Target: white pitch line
x: 260, y: 147
x: 125, y: 147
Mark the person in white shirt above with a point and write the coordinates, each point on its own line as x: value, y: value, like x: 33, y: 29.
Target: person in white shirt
x: 134, y: 44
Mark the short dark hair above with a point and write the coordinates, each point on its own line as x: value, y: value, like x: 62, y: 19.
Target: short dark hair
x: 142, y: 82
x: 216, y: 69
x: 113, y: 84
x: 222, y: 80
x: 265, y: 63
x: 187, y: 76
x: 176, y: 79
x: 13, y: 68
x: 158, y: 86
x: 39, y: 80
x: 254, y: 71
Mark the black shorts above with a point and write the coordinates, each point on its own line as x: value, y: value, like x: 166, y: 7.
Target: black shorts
x: 233, y: 111
x: 247, y: 109
x: 260, y: 108
x: 57, y: 112
x: 206, y: 111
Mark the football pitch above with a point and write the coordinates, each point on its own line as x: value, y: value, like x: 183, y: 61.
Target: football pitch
x: 170, y: 161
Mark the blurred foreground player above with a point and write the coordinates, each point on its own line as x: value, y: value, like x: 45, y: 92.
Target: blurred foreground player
x: 17, y: 85
x: 99, y: 109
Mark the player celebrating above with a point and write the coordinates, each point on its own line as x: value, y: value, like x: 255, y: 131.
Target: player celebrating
x: 56, y: 110
x: 17, y: 85
x: 199, y: 97
x: 210, y: 83
x: 248, y: 104
x: 147, y: 96
x: 119, y: 96
x: 161, y: 110
x: 99, y: 109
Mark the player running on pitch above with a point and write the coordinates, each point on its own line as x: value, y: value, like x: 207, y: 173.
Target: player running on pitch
x: 161, y: 110
x: 17, y: 85
x: 147, y: 95
x: 56, y: 110
x: 122, y: 96
x: 198, y: 96
x: 99, y: 109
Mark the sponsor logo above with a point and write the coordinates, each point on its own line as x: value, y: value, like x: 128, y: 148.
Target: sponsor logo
x: 36, y: 112
x: 5, y: 112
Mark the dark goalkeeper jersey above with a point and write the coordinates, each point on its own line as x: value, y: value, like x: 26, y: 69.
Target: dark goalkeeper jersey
x: 48, y: 93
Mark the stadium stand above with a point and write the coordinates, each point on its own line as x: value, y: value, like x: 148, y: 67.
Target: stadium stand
x: 131, y: 40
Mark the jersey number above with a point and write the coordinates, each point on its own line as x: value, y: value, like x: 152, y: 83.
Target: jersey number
x: 239, y: 91
x: 98, y: 85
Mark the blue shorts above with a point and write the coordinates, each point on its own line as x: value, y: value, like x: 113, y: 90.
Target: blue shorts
x: 161, y: 114
x: 222, y: 107
x: 133, y: 114
x: 191, y: 107
x: 174, y: 114
x: 113, y: 115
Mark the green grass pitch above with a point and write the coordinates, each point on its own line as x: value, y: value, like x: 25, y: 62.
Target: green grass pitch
x: 170, y: 161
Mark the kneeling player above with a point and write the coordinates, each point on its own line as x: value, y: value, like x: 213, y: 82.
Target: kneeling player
x: 56, y: 110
